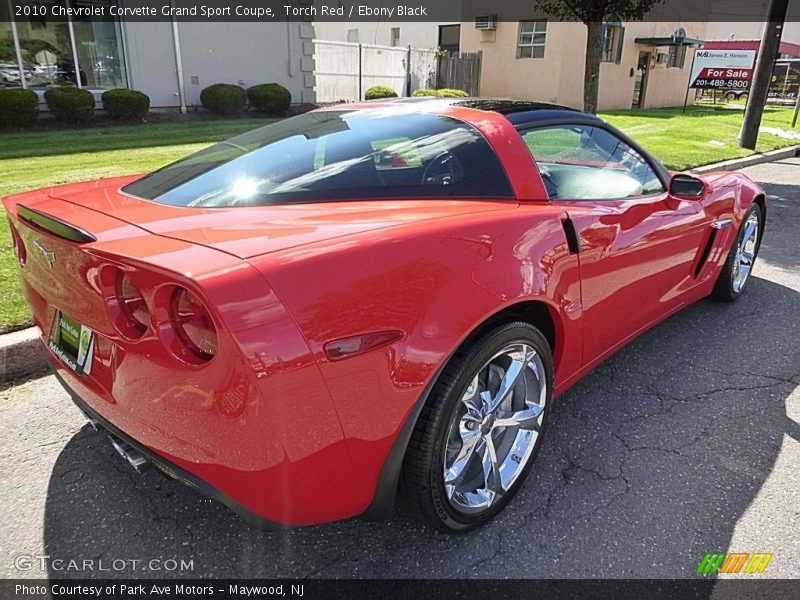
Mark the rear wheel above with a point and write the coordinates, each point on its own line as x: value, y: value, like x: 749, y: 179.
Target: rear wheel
x: 739, y: 265
x: 481, y: 429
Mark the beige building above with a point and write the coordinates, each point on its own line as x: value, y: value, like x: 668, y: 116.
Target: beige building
x: 645, y: 64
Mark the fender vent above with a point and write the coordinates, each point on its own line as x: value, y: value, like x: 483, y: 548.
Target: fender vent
x: 573, y: 239
x: 701, y: 261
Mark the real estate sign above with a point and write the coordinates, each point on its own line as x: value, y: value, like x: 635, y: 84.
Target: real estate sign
x: 722, y: 69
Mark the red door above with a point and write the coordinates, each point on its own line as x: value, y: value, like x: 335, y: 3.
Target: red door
x: 637, y: 258
x: 638, y: 245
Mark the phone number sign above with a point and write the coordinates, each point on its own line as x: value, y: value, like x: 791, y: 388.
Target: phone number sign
x: 722, y: 69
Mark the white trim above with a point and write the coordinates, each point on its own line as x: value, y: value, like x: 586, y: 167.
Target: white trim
x: 71, y: 30
x: 176, y: 39
x: 15, y: 37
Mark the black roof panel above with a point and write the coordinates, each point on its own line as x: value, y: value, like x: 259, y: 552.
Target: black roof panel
x: 522, y: 111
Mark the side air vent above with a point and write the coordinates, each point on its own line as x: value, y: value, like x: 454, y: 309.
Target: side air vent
x: 573, y: 239
x: 54, y: 226
x: 703, y: 259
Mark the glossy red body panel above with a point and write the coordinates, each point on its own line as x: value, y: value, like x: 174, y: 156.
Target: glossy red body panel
x: 272, y: 422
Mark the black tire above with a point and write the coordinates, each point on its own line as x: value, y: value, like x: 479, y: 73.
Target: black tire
x: 422, y: 476
x: 724, y: 289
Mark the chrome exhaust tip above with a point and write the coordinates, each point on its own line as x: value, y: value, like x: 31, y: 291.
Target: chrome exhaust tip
x: 131, y: 454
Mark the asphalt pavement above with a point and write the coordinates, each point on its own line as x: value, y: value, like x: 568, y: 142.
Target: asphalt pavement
x: 685, y: 442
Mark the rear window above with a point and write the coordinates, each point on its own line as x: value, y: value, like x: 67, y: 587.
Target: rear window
x: 334, y: 155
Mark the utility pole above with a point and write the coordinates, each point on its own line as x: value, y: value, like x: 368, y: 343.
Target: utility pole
x: 767, y: 53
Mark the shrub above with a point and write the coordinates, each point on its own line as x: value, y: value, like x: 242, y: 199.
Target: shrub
x: 270, y: 98
x: 129, y: 105
x: 379, y: 91
x: 450, y: 93
x: 70, y: 104
x: 442, y: 93
x: 18, y: 107
x: 224, y: 98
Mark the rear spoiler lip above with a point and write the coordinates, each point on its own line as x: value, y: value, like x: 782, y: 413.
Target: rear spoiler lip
x: 54, y: 225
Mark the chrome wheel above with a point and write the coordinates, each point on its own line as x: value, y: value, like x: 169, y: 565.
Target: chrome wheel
x: 745, y: 252
x: 495, y: 428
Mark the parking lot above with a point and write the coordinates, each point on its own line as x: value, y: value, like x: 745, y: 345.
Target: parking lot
x: 685, y: 442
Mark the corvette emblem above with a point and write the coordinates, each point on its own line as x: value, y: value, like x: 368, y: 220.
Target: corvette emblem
x: 48, y: 255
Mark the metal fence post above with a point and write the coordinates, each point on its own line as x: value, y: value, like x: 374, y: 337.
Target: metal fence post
x: 408, y: 71
x: 360, y: 94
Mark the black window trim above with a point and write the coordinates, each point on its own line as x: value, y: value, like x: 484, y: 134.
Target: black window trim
x: 589, y: 121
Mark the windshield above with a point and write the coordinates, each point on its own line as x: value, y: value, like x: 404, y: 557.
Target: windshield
x: 334, y: 155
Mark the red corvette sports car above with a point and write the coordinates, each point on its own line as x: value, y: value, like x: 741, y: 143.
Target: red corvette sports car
x: 305, y: 318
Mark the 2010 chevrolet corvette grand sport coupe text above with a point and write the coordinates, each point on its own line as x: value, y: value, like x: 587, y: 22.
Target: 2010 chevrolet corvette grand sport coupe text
x: 370, y: 297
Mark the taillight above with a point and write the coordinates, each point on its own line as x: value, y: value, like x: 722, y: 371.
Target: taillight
x: 131, y: 303
x: 19, y: 245
x: 193, y: 324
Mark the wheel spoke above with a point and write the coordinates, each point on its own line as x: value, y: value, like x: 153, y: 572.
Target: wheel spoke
x: 527, y: 419
x: 471, y: 446
x: 749, y: 232
x: 509, y: 381
x: 491, y: 468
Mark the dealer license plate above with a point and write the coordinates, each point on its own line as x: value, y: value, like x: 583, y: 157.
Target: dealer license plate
x: 73, y: 343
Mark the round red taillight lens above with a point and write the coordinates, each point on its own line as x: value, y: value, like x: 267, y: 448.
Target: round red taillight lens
x: 193, y: 324
x: 131, y: 303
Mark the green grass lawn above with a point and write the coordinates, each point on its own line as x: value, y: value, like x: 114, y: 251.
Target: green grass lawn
x: 36, y: 159
x: 32, y: 160
x: 702, y: 136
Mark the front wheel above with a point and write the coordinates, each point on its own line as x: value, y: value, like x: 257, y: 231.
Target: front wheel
x: 736, y: 272
x: 481, y: 429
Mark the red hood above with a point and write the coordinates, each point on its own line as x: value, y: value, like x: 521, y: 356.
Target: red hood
x: 250, y: 231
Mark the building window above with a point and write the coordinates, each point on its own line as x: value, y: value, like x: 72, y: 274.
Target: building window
x: 531, y: 40
x: 611, y: 42
x: 48, y: 55
x: 449, y: 38
x: 352, y: 36
x: 677, y: 57
x: 395, y: 36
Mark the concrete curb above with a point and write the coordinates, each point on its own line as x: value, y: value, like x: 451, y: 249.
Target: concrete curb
x: 22, y: 352
x: 749, y: 161
x: 21, y: 355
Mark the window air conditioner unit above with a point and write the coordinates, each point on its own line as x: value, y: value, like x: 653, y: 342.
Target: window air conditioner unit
x: 486, y: 22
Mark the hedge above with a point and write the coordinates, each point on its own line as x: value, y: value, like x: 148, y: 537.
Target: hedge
x: 451, y: 93
x: 270, y: 98
x: 18, y: 107
x: 224, y: 98
x: 70, y: 104
x: 441, y: 93
x: 379, y: 91
x: 124, y: 104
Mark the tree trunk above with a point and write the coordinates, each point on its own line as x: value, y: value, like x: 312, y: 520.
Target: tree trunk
x: 591, y: 73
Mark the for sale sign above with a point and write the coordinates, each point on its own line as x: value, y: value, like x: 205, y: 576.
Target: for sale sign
x: 722, y: 69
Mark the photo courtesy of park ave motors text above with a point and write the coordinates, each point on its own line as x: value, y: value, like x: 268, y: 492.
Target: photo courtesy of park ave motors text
x: 315, y: 298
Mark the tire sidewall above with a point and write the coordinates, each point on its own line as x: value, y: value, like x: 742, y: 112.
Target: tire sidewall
x: 483, y: 350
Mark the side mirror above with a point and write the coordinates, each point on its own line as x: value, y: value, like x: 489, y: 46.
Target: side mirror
x: 686, y: 186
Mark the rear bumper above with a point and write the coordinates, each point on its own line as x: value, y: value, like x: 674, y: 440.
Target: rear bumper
x: 167, y: 467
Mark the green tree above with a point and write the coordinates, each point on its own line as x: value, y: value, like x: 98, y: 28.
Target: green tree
x: 593, y: 13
